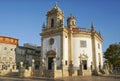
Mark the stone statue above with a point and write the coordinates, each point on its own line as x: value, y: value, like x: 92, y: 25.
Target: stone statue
x: 70, y: 69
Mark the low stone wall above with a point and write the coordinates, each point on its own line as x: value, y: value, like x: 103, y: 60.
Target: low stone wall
x: 27, y: 73
x: 36, y: 73
x: 75, y: 73
x: 4, y: 72
x: 86, y: 73
x: 58, y: 74
x: 64, y: 73
x: 15, y: 70
x: 48, y: 73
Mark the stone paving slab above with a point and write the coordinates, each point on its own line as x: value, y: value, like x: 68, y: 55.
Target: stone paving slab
x: 78, y: 78
x: 92, y: 78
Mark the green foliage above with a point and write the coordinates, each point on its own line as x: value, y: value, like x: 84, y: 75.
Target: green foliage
x: 112, y: 54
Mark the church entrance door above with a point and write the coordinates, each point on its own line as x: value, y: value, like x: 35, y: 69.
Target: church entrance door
x: 50, y: 61
x: 50, y: 56
x: 84, y: 64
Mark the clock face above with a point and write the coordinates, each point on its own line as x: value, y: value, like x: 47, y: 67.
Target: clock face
x: 51, y: 41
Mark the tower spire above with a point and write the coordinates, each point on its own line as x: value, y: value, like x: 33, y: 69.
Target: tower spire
x: 71, y: 15
x: 43, y: 26
x: 56, y: 4
x: 99, y: 32
x: 92, y: 26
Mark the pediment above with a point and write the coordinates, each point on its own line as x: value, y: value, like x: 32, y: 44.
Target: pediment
x: 51, y: 52
x: 83, y: 56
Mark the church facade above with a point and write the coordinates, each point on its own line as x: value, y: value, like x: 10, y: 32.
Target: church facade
x: 70, y: 44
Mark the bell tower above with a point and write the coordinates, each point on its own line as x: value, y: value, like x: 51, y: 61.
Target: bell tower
x: 55, y: 17
x: 53, y: 36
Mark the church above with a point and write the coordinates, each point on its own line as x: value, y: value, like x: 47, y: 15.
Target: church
x: 70, y: 47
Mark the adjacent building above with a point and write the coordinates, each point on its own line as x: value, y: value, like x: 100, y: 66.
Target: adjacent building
x: 7, y: 52
x: 27, y: 53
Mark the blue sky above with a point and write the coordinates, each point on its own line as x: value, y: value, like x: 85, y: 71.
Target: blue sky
x: 23, y: 19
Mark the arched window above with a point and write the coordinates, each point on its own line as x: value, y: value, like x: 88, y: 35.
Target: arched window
x: 52, y: 22
x: 99, y: 58
x: 73, y: 23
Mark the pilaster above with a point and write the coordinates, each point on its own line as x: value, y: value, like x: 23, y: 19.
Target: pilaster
x: 63, y: 48
x: 70, y: 49
x: 93, y: 51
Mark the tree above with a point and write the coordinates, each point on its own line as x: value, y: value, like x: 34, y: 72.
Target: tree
x: 112, y: 55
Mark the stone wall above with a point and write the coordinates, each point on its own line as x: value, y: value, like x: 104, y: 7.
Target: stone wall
x: 4, y: 72
x: 84, y: 72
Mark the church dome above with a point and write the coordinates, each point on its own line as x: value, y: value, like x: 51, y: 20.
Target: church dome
x: 71, y: 17
x: 71, y: 21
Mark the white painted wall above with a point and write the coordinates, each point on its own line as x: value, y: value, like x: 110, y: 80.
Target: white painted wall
x: 97, y: 52
x: 101, y: 50
x: 65, y: 54
x: 56, y: 46
x: 77, y: 50
x: 7, y: 54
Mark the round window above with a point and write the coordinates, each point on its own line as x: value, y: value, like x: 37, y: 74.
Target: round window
x: 51, y: 41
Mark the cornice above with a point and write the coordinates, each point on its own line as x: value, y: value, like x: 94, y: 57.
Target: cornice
x: 8, y: 40
x: 54, y: 12
x: 98, y: 37
x: 51, y: 32
x: 82, y: 34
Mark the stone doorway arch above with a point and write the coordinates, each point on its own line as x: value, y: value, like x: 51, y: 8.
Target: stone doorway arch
x: 84, y: 61
x: 50, y: 55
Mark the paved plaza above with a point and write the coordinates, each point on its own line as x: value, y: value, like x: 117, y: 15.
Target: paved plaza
x: 92, y: 78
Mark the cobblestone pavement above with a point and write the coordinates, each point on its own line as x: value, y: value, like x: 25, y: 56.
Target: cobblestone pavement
x: 92, y: 78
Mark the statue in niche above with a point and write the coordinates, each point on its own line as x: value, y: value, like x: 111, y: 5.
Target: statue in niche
x: 70, y: 69
x: 60, y: 23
